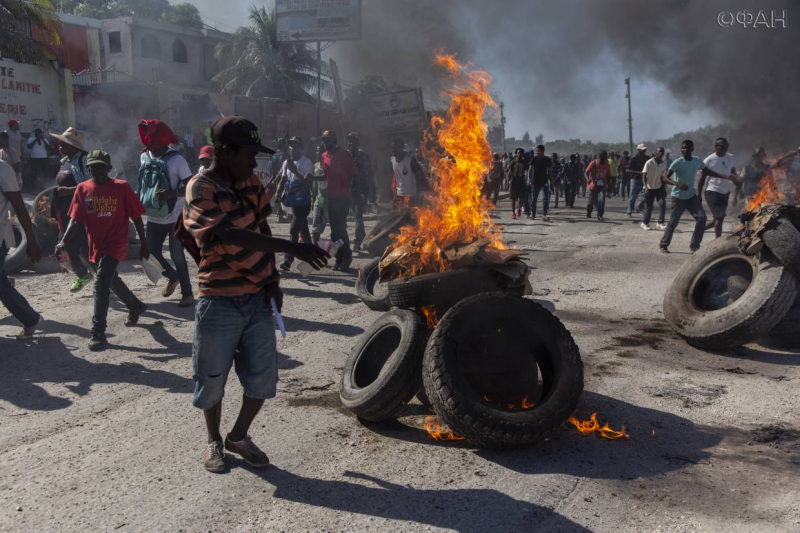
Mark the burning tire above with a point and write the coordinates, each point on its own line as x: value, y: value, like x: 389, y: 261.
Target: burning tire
x: 502, y: 371
x: 783, y: 241
x: 383, y: 371
x: 698, y: 305
x: 786, y: 334
x: 444, y: 289
x: 372, y: 292
x: 17, y: 258
x: 380, y: 237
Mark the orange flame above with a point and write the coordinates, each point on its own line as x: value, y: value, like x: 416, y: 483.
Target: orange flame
x: 438, y: 432
x: 593, y: 426
x: 768, y: 190
x: 455, y: 213
x: 41, y: 207
x: 429, y: 312
x: 524, y: 404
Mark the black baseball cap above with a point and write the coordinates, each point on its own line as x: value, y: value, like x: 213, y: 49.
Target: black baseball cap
x: 238, y: 131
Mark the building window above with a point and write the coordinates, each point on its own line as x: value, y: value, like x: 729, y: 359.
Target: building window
x: 179, y: 52
x: 115, y: 42
x: 151, y: 47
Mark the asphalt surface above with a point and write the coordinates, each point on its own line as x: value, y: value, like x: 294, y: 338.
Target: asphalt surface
x: 110, y: 442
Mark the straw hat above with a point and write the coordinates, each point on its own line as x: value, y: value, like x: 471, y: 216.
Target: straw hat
x: 72, y: 137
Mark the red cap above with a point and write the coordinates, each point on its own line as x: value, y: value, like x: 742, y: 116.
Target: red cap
x: 13, y: 121
x: 206, y: 152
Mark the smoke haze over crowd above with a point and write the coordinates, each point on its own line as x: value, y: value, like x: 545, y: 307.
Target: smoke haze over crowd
x: 559, y: 66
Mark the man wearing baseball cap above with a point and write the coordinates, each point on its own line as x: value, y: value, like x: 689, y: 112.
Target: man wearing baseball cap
x: 339, y: 170
x: 225, y: 220
x: 205, y: 157
x: 103, y: 205
x: 635, y: 172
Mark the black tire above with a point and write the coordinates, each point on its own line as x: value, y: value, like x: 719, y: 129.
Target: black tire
x: 383, y: 371
x: 422, y: 396
x: 17, y: 258
x: 695, y: 311
x: 380, y: 237
x: 786, y: 335
x: 369, y: 288
x: 497, y: 343
x: 444, y: 289
x: 783, y: 241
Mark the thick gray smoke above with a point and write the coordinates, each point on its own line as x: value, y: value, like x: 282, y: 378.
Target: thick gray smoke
x: 559, y: 57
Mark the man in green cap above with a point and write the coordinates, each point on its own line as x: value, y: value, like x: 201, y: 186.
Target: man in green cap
x: 104, y: 205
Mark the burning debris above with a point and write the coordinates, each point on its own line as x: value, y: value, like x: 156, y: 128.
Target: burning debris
x: 439, y: 432
x: 592, y: 426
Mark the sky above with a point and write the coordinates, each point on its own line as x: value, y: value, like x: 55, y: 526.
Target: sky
x: 559, y: 65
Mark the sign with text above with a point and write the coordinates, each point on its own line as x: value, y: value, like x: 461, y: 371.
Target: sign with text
x: 318, y: 20
x: 30, y: 94
x: 398, y: 111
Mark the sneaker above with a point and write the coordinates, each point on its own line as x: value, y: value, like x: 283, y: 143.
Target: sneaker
x: 519, y: 211
x: 664, y: 250
x: 169, y: 288
x: 629, y: 215
x: 214, y: 457
x: 513, y: 216
x: 693, y: 249
x: 645, y: 227
x: 247, y: 450
x: 545, y: 219
x: 345, y: 265
x: 357, y: 247
x: 286, y: 267
x: 661, y: 226
x: 79, y: 283
x: 186, y: 301
x: 27, y: 333
x: 336, y: 266
x: 599, y: 219
x: 133, y: 316
x: 98, y: 342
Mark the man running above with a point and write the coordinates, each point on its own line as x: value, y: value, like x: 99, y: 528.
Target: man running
x: 103, y: 205
x: 655, y: 189
x: 684, y: 197
x: 718, y: 190
x: 225, y: 215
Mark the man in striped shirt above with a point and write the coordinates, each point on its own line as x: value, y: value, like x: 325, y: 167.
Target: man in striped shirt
x: 225, y: 213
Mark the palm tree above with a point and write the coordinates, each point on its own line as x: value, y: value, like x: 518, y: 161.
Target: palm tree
x: 257, y: 65
x: 16, y: 19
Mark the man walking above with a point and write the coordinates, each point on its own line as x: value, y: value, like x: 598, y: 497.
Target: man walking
x: 339, y: 170
x: 718, y: 190
x: 103, y: 206
x: 556, y: 178
x: 539, y: 180
x: 39, y: 149
x: 635, y: 168
x: 363, y: 186
x: 225, y: 216
x: 597, y: 173
x: 571, y: 179
x: 684, y: 197
x: 16, y: 304
x: 655, y: 189
x: 613, y: 165
x: 517, y: 171
x: 623, y: 183
x: 161, y: 187
x: 74, y: 171
x: 14, y: 136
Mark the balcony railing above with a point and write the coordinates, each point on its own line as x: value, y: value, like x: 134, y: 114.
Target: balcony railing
x: 88, y: 78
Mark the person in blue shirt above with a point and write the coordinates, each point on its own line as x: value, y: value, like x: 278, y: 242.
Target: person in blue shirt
x: 684, y: 195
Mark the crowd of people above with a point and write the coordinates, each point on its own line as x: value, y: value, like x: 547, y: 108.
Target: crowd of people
x: 218, y: 213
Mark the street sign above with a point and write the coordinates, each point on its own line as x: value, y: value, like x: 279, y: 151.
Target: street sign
x: 337, y: 86
x: 399, y: 111
x: 318, y: 20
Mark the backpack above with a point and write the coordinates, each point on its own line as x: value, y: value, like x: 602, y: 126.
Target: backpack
x: 153, y: 176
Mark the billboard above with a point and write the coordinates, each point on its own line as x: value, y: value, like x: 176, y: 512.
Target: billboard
x: 337, y: 86
x: 318, y: 20
x: 398, y: 111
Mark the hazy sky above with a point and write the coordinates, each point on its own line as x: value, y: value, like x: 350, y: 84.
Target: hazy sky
x: 559, y: 65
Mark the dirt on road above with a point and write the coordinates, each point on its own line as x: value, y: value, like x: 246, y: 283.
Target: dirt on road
x: 110, y: 441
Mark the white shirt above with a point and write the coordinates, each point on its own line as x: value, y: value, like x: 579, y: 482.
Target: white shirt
x: 15, y: 141
x: 723, y: 165
x: 304, y: 166
x: 405, y: 179
x: 189, y: 138
x: 39, y: 150
x: 178, y: 171
x: 8, y: 183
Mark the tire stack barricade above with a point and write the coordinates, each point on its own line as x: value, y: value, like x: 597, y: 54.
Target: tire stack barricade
x: 742, y: 288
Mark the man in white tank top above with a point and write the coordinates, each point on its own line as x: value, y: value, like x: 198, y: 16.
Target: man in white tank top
x: 406, y: 172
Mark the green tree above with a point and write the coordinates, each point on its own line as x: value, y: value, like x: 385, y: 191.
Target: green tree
x: 16, y: 19
x: 184, y: 14
x: 255, y: 64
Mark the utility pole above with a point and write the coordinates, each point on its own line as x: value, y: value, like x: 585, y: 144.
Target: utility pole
x: 630, y: 118
x: 503, y: 125
x: 319, y: 87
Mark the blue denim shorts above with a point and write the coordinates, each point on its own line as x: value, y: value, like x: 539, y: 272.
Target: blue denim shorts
x: 233, y: 331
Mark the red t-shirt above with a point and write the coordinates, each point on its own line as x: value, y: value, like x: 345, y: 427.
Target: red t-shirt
x: 105, y: 210
x: 598, y: 172
x: 339, y: 168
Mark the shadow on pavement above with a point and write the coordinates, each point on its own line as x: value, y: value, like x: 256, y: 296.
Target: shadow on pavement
x: 301, y: 324
x: 338, y: 297
x: 464, y: 510
x: 48, y: 360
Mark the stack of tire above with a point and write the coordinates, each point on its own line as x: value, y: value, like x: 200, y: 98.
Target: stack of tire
x: 723, y: 298
x: 381, y: 236
x: 490, y: 349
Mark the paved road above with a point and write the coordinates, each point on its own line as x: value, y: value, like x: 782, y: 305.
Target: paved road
x: 110, y: 442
